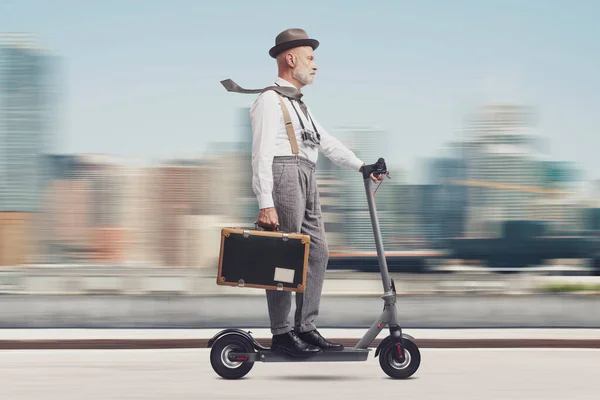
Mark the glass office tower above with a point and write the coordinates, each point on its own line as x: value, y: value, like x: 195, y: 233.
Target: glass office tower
x: 27, y: 117
x: 27, y: 123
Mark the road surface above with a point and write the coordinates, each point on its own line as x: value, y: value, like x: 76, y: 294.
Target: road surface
x: 186, y: 374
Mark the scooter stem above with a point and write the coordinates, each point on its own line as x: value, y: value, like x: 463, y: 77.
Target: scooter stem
x: 385, y: 276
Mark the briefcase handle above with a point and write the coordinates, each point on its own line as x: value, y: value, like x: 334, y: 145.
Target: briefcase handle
x: 259, y: 228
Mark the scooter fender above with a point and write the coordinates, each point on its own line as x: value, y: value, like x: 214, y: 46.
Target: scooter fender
x: 234, y: 331
x: 388, y: 339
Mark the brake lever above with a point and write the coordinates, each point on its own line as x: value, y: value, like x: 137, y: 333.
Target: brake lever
x: 386, y: 173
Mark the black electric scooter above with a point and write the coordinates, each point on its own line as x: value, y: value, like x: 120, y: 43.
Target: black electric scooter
x: 234, y: 351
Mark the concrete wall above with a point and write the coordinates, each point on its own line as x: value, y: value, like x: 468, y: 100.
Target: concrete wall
x: 165, y: 311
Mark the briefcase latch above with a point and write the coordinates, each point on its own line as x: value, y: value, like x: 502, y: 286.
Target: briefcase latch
x: 246, y: 233
x: 241, y: 283
x: 285, y: 236
x: 279, y: 286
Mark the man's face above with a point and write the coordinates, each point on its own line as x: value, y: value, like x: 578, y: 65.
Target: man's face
x: 305, y: 67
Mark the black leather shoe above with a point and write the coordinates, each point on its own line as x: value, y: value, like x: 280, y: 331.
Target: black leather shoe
x: 290, y: 344
x: 315, y: 338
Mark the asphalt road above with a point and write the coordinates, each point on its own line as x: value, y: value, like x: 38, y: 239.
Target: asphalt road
x: 186, y: 374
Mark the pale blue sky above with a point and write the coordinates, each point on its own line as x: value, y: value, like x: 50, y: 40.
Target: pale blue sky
x: 142, y: 77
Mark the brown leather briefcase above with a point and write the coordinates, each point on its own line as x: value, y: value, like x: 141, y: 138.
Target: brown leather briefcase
x: 263, y: 259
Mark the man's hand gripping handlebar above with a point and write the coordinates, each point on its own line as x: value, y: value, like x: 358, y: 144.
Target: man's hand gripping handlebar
x: 376, y: 172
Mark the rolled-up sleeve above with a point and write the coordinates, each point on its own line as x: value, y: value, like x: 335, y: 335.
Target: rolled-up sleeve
x: 336, y: 151
x: 265, y: 119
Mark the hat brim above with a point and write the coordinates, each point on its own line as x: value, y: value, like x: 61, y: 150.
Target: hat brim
x: 276, y: 50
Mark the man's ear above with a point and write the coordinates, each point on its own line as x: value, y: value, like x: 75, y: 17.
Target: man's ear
x: 291, y: 59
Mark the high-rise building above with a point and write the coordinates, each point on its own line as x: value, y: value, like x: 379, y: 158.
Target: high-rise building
x: 406, y: 226
x: 368, y: 143
x: 560, y: 175
x: 177, y: 184
x: 67, y: 234
x: 502, y: 153
x: 509, y: 176
x: 247, y: 203
x: 27, y: 114
x: 140, y: 218
x: 561, y: 215
x: 14, y: 246
x: 449, y: 204
x: 330, y: 187
x: 64, y: 213
x: 83, y: 216
x: 194, y: 200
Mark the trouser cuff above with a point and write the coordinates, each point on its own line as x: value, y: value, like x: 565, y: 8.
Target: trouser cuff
x: 280, y: 331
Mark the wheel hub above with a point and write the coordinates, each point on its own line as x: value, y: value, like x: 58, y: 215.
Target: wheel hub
x: 397, y: 363
x: 225, y: 357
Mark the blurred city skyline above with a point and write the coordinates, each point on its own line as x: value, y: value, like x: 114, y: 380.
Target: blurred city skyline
x: 144, y: 82
x: 148, y: 157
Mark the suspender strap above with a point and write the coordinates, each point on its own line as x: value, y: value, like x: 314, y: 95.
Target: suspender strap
x: 288, y: 126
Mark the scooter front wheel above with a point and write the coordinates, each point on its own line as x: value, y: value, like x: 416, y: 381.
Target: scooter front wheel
x: 219, y: 356
x: 392, y: 364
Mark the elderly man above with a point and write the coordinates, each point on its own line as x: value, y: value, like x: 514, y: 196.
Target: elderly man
x: 284, y: 156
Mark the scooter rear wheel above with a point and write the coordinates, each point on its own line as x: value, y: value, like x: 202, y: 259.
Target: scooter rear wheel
x: 219, y: 356
x: 393, y: 366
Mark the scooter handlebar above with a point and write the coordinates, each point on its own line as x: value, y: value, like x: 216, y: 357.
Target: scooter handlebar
x: 376, y: 169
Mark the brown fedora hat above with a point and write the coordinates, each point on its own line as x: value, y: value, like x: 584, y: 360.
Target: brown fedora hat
x: 291, y: 38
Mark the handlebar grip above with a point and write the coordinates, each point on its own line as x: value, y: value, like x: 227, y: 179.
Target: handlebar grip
x: 376, y: 169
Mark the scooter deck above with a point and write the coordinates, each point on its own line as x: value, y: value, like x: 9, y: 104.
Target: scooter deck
x: 326, y: 356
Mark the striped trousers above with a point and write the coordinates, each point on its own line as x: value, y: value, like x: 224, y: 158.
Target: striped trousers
x: 296, y: 200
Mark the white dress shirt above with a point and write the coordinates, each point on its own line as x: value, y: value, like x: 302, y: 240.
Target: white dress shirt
x: 270, y: 139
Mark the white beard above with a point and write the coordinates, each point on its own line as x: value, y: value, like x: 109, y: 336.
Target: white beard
x: 303, y: 75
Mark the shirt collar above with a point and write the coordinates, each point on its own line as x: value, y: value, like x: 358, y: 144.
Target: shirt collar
x: 283, y: 82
